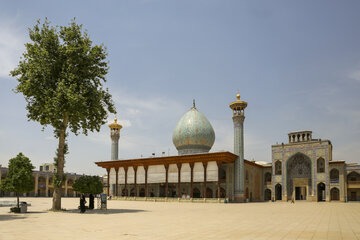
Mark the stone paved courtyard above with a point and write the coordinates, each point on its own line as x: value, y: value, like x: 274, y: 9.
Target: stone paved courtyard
x: 172, y: 220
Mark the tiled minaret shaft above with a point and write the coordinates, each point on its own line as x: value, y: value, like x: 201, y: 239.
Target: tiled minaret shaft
x: 238, y: 108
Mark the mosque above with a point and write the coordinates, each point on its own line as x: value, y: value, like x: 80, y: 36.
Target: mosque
x: 302, y: 169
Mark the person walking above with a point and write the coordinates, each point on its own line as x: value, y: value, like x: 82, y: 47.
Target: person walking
x: 91, y: 201
x: 292, y: 199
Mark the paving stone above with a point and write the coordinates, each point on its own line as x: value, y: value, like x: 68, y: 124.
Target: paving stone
x: 173, y: 220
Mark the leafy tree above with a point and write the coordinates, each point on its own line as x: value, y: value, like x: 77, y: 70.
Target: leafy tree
x: 61, y: 76
x: 19, y: 177
x: 88, y: 184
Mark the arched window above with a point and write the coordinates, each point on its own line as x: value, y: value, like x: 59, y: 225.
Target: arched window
x: 42, y: 180
x: 277, y: 168
x: 246, y: 175
x: 320, y: 165
x: 132, y: 192
x: 209, y: 193
x: 70, y: 182
x: 142, y: 192
x: 353, y: 177
x: 222, y: 193
x: 334, y: 175
x: 267, y: 178
x: 267, y: 195
x: 196, y: 193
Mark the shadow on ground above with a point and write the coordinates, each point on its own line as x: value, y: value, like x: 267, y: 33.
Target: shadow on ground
x: 35, y: 212
x: 14, y: 216
x: 11, y: 216
x: 108, y: 211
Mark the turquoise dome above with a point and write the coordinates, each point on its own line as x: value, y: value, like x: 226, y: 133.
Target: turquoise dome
x: 193, y: 133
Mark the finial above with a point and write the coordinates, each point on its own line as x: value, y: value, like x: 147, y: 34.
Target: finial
x: 194, y: 103
x: 238, y: 96
x: 115, y: 120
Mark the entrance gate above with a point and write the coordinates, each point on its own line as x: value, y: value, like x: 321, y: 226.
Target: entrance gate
x: 298, y: 176
x: 321, y: 192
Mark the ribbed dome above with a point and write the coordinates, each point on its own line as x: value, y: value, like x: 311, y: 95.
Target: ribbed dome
x: 193, y: 133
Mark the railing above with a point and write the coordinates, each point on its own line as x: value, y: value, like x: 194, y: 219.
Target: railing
x: 353, y: 182
x: 162, y: 199
x: 334, y: 180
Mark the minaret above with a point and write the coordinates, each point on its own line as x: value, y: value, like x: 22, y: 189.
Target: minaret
x: 115, y: 135
x: 238, y: 108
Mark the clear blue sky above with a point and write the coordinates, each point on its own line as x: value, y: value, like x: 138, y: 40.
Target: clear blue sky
x: 297, y: 64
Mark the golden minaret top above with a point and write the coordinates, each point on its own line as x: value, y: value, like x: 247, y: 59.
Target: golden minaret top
x: 115, y: 125
x: 238, y: 104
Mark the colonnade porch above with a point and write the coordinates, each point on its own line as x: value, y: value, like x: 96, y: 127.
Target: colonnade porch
x: 159, y: 190
x: 174, y: 187
x: 170, y: 188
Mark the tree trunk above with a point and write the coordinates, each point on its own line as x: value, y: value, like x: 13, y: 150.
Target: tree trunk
x: 60, y: 166
x: 18, y: 203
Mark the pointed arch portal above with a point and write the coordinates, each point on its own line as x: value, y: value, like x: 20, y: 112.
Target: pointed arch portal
x: 298, y: 177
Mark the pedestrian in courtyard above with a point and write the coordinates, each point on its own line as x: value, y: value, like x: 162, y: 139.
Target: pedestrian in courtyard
x: 82, y: 203
x: 91, y: 201
x: 292, y: 199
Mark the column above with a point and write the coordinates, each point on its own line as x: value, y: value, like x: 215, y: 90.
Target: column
x: 191, y: 180
x: 66, y: 187
x: 0, y: 183
x: 313, y: 193
x: 36, y: 184
x: 126, y: 190
x: 146, y: 178
x: 73, y: 181
x: 205, y: 166
x: 166, y: 179
x: 135, y: 185
x: 117, y: 181
x: 239, y: 162
x: 47, y: 186
x: 218, y: 183
x: 108, y: 181
x: 179, y: 178
x: 238, y: 108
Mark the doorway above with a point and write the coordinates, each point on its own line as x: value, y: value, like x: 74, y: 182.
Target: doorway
x: 267, y: 195
x: 353, y: 196
x: 321, y: 192
x: 334, y: 194
x: 278, y: 194
x: 300, y: 193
